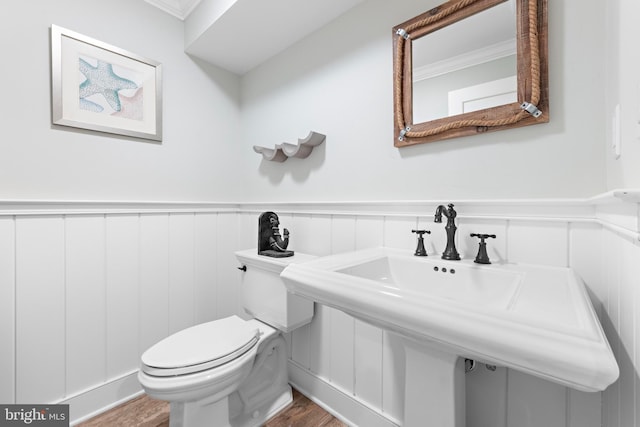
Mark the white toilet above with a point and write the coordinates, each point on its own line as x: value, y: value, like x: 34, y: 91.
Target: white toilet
x: 231, y: 372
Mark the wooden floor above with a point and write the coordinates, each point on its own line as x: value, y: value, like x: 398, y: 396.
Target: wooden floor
x: 146, y: 412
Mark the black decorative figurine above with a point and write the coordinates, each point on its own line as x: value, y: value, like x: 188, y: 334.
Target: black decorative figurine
x: 270, y: 242
x: 450, y: 252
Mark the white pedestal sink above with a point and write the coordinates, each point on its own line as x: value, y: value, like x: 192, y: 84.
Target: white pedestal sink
x: 434, y: 386
x: 534, y: 319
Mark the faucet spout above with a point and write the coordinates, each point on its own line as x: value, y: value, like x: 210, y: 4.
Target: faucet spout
x: 450, y: 252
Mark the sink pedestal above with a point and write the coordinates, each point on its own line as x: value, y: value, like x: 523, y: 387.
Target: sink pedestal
x: 434, y: 386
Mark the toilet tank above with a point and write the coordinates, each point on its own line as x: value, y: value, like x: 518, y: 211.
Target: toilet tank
x: 264, y: 295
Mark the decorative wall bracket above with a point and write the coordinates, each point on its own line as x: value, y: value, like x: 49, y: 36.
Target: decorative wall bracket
x: 301, y: 150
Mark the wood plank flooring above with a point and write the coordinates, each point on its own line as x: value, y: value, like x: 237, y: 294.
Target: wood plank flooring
x: 146, y: 412
x: 304, y: 413
x: 138, y: 412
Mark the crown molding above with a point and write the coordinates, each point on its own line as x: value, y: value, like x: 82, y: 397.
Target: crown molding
x: 465, y: 60
x: 178, y: 8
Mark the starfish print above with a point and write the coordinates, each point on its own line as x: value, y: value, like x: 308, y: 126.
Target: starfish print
x: 132, y: 106
x: 101, y: 79
x: 90, y: 106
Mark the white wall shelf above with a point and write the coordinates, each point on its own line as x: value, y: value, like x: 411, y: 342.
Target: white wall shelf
x: 301, y: 150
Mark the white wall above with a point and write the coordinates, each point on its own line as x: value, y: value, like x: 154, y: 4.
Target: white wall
x: 623, y: 88
x: 338, y: 81
x: 41, y: 161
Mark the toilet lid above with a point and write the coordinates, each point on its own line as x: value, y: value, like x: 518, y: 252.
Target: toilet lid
x: 200, y: 347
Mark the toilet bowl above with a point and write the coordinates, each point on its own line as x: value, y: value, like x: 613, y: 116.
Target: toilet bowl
x: 230, y: 372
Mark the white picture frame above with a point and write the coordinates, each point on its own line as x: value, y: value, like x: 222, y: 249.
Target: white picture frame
x: 103, y: 88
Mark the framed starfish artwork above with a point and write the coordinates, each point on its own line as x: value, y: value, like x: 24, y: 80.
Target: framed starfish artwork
x: 103, y: 88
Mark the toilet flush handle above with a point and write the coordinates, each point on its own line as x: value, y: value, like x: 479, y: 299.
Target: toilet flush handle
x: 243, y: 268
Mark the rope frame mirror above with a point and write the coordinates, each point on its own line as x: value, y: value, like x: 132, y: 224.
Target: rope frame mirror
x: 532, y: 106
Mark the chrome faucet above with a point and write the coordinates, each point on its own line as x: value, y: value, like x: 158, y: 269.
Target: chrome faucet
x: 450, y: 251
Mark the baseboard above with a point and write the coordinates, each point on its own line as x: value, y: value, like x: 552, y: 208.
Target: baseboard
x: 94, y: 401
x: 346, y: 407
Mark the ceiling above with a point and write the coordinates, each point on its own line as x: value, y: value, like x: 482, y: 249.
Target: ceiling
x: 238, y: 35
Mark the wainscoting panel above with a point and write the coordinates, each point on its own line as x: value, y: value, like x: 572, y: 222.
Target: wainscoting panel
x: 248, y: 230
x: 123, y: 296
x: 85, y: 289
x: 629, y: 280
x: 154, y: 279
x: 7, y: 309
x: 86, y: 353
x: 369, y: 232
x: 82, y: 295
x: 319, y: 241
x: 40, y: 309
x: 227, y: 274
x: 368, y: 363
x: 542, y: 243
x: 585, y: 240
x: 343, y: 234
x: 206, y: 267
x: 397, y: 233
x: 621, y: 322
x: 182, y: 298
x: 612, y: 248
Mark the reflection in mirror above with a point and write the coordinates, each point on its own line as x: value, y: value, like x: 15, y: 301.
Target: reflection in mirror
x: 494, y: 77
x: 454, y: 75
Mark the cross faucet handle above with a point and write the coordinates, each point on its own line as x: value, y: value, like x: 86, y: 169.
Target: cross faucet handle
x: 483, y: 257
x: 483, y: 236
x: 420, y: 250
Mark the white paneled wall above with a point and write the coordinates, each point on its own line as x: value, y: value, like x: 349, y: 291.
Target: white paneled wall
x: 7, y: 310
x: 40, y: 304
x: 85, y: 323
x: 621, y: 321
x: 83, y: 294
x: 122, y: 258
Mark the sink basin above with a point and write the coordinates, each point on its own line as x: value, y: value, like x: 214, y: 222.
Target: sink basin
x: 433, y: 278
x: 535, y: 319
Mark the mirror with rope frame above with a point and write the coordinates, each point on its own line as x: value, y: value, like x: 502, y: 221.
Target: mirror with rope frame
x: 508, y: 90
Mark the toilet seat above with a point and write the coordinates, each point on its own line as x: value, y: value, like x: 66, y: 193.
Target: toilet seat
x: 200, y: 347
